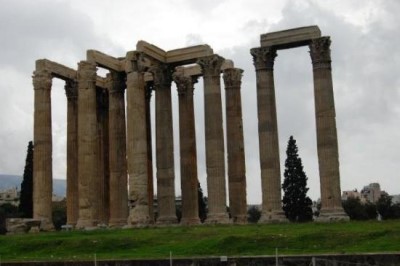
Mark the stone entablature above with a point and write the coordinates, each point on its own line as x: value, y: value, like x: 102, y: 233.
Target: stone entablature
x: 109, y: 145
x: 327, y: 144
x: 97, y: 172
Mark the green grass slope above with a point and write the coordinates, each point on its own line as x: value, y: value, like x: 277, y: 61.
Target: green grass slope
x: 229, y: 240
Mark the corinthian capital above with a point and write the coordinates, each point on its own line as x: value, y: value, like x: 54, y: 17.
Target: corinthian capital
x: 162, y: 75
x: 116, y: 81
x: 138, y: 61
x: 263, y: 57
x: 232, y: 78
x: 42, y: 79
x: 86, y: 72
x: 184, y: 83
x: 211, y: 65
x: 71, y: 89
x: 320, y: 52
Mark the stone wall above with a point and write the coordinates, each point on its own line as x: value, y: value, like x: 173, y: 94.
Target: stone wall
x: 305, y: 260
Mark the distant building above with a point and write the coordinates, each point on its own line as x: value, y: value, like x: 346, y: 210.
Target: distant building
x: 352, y: 194
x: 10, y: 195
x: 395, y: 199
x: 372, y: 192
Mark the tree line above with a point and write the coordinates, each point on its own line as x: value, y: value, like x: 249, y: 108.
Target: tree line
x: 296, y: 205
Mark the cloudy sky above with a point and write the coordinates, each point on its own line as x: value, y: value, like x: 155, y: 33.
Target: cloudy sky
x: 365, y: 62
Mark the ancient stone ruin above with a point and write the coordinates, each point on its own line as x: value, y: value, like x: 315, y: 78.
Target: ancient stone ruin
x: 325, y: 116
x: 109, y: 153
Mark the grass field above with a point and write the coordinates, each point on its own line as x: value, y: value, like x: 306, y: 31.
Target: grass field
x: 229, y: 240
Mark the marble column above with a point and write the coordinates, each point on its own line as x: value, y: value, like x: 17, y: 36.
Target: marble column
x: 214, y: 137
x: 137, y: 142
x: 117, y: 151
x: 71, y: 90
x: 150, y: 186
x: 42, y: 141
x: 188, y: 154
x: 268, y: 135
x: 327, y: 143
x: 88, y: 145
x: 103, y: 178
x: 162, y: 76
x: 235, y: 145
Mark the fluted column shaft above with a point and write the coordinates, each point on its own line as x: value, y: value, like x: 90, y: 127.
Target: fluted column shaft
x: 117, y: 150
x: 325, y: 116
x: 188, y: 154
x: 42, y: 156
x: 103, y: 178
x: 88, y: 147
x: 71, y: 89
x: 137, y: 142
x: 214, y: 137
x: 268, y: 135
x: 236, y: 159
x: 164, y: 145
x: 150, y: 185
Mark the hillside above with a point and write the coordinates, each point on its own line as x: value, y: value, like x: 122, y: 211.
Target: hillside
x: 10, y: 181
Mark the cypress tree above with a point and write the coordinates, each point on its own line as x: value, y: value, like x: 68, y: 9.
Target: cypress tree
x: 296, y: 203
x: 202, y: 203
x: 26, y: 196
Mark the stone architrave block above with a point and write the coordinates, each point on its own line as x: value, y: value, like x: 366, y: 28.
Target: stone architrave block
x: 290, y: 38
x: 104, y: 60
x: 188, y: 55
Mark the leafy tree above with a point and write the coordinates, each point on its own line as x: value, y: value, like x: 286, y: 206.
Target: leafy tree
x: 59, y: 214
x: 396, y: 211
x: 384, y: 205
x: 7, y: 210
x: 370, y: 210
x: 202, y: 204
x: 253, y: 214
x: 354, y: 209
x: 387, y: 209
x: 26, y: 197
x: 296, y: 203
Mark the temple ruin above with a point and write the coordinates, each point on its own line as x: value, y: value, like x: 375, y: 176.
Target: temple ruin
x: 325, y: 116
x: 109, y: 145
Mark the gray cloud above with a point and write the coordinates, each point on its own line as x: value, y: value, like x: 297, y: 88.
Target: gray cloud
x: 365, y: 60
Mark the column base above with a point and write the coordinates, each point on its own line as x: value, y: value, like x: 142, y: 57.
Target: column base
x: 86, y: 224
x: 218, y: 218
x: 240, y: 219
x: 167, y: 220
x: 117, y: 223
x: 138, y: 217
x: 332, y: 215
x: 46, y: 225
x: 190, y: 221
x: 273, y: 217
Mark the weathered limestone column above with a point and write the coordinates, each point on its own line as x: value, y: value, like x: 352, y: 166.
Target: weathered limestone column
x: 235, y: 143
x: 137, y: 141
x: 42, y: 157
x: 117, y: 151
x: 150, y: 186
x: 71, y: 90
x: 188, y: 154
x: 214, y: 136
x: 268, y: 135
x: 327, y: 144
x: 88, y: 141
x: 103, y: 178
x: 162, y: 76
